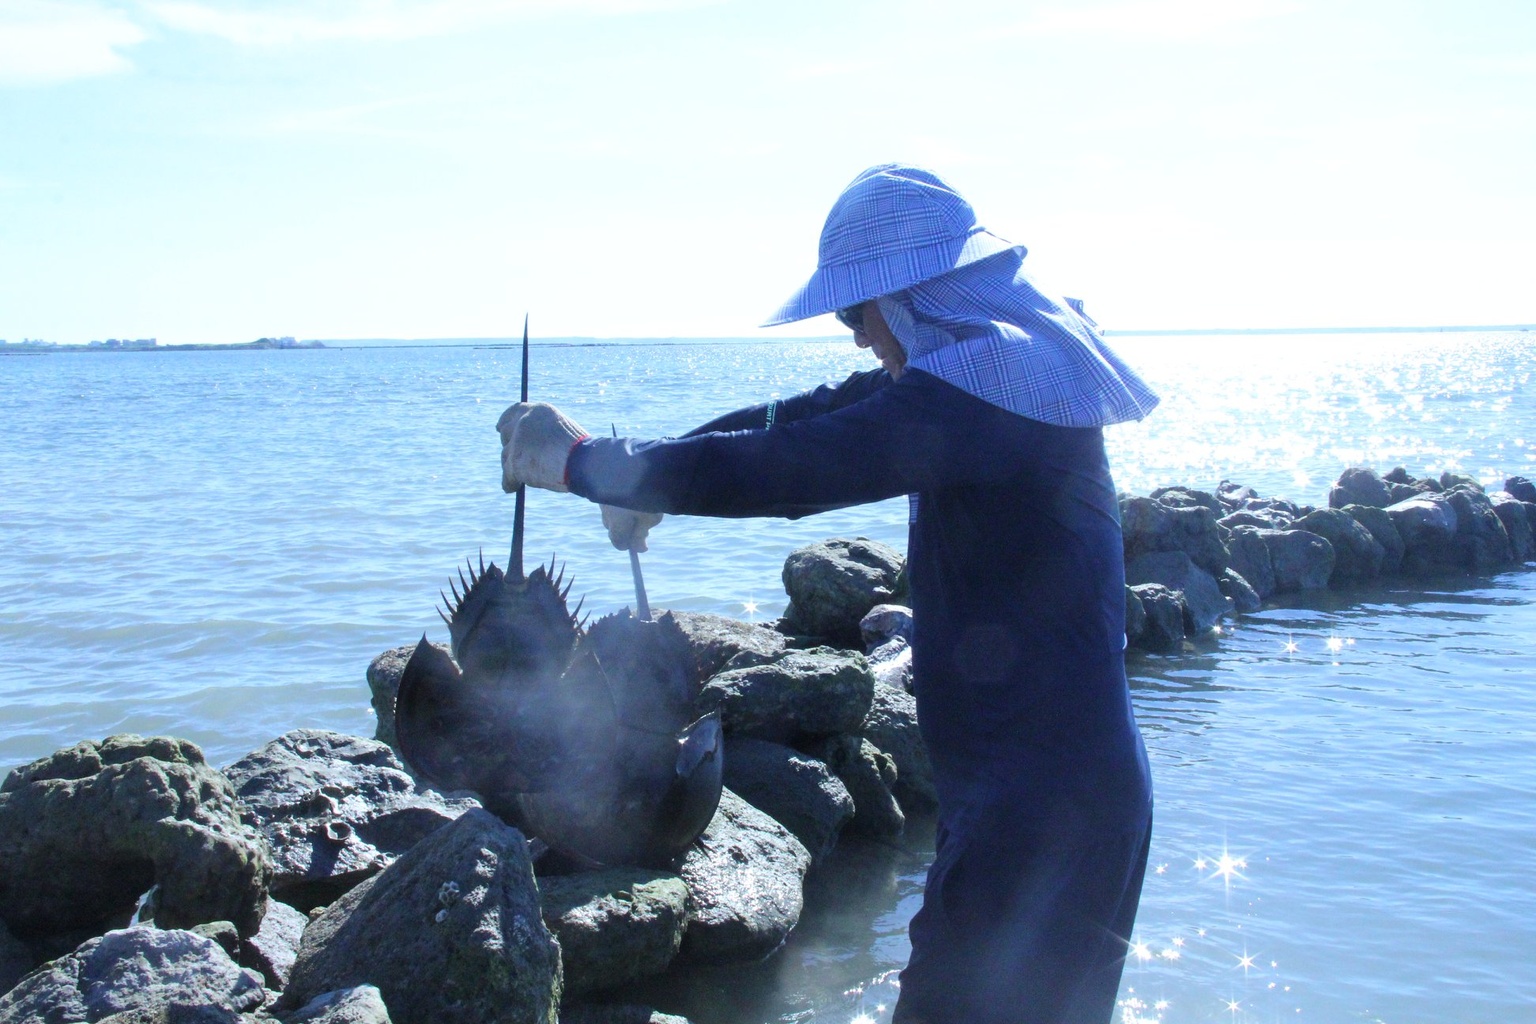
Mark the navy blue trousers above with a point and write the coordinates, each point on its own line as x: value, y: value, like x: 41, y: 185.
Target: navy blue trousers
x: 1023, y: 927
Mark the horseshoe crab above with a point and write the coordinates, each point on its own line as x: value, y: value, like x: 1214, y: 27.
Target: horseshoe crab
x: 583, y: 738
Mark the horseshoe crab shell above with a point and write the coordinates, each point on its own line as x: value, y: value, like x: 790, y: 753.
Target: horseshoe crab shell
x: 586, y: 739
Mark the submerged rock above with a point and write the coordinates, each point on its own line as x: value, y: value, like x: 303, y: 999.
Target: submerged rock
x: 833, y: 584
x: 141, y: 973
x: 615, y: 926
x: 817, y: 692
x: 450, y: 933
x: 335, y: 809
x: 796, y: 790
x: 744, y: 877
x: 86, y: 830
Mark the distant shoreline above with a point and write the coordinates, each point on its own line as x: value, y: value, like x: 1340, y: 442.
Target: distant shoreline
x: 271, y: 345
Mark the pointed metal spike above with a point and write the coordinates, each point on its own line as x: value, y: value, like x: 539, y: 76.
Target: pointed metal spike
x: 515, y: 560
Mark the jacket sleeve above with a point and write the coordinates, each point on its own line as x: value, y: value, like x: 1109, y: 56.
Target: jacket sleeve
x: 902, y: 438
x: 816, y: 402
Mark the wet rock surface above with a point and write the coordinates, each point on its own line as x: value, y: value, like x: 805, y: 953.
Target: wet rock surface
x: 744, y: 877
x: 1164, y: 624
x: 615, y: 926
x: 139, y: 973
x: 86, y: 830
x: 870, y: 775
x: 717, y: 641
x: 335, y: 809
x: 833, y: 584
x: 817, y: 692
x: 795, y: 789
x: 450, y: 933
x: 1204, y: 603
x: 891, y: 726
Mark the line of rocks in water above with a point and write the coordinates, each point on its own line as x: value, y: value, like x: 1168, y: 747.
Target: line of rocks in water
x: 314, y: 880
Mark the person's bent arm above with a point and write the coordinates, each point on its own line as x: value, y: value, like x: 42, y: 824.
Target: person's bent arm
x: 817, y: 402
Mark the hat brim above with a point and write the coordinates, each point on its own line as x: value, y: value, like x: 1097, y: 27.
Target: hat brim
x: 848, y: 284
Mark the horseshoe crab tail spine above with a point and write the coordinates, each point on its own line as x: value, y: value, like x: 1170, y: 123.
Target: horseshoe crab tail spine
x: 515, y: 560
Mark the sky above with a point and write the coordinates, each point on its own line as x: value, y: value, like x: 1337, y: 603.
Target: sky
x: 218, y: 171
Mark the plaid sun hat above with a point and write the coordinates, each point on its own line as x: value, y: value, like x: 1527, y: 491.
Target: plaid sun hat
x: 892, y: 227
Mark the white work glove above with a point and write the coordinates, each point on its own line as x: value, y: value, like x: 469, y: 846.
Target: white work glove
x: 627, y: 528
x: 536, y: 439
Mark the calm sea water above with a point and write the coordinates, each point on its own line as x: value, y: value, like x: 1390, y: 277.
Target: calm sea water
x: 214, y: 545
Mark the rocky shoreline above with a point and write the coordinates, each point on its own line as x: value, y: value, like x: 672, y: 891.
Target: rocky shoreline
x: 314, y: 880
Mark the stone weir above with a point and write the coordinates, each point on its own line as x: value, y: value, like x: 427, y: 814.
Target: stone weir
x: 315, y: 880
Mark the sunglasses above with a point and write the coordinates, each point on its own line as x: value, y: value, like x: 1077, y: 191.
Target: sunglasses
x: 852, y: 317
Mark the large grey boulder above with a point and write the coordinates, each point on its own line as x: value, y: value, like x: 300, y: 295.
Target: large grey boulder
x: 1239, y: 591
x: 1300, y: 560
x: 1427, y: 524
x: 1359, y: 485
x: 1379, y: 524
x: 1249, y: 555
x: 1358, y: 556
x: 85, y: 831
x: 141, y: 973
x: 1204, y: 603
x: 450, y: 933
x: 744, y: 878
x: 1181, y: 496
x: 1518, y: 524
x: 796, y: 790
x: 335, y: 810
x: 362, y: 1004
x: 816, y: 692
x: 833, y: 584
x: 273, y: 949
x: 1149, y: 526
x: 1164, y: 624
x: 16, y: 959
x: 870, y: 775
x: 384, y: 682
x: 1482, y: 544
x: 1521, y: 488
x: 718, y: 641
x: 891, y: 726
x: 615, y: 926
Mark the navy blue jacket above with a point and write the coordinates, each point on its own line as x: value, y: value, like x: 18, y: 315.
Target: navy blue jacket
x: 1015, y: 561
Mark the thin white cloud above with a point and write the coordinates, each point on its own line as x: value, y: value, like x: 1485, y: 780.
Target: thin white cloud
x: 1163, y: 19
x: 287, y: 23
x: 46, y: 41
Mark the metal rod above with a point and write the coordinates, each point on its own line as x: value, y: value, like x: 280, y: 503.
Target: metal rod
x: 515, y: 560
x: 642, y: 606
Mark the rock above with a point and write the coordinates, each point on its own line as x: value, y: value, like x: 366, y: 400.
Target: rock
x: 272, y: 950
x: 1164, y: 609
x: 1482, y: 543
x: 86, y: 830
x: 1179, y: 496
x: 796, y: 790
x: 1359, y: 486
x: 1379, y: 524
x: 1358, y: 556
x: 891, y: 664
x: 803, y: 693
x: 1245, y: 600
x: 16, y: 959
x: 870, y: 775
x: 1427, y: 525
x: 615, y: 926
x: 1135, y: 617
x: 744, y: 879
x: 1402, y: 492
x: 717, y: 640
x: 615, y: 1013
x: 834, y: 584
x: 362, y: 1004
x: 1450, y: 481
x: 1516, y: 517
x: 1521, y: 488
x: 223, y: 934
x: 451, y: 933
x: 142, y: 973
x: 884, y: 622
x: 335, y: 809
x: 891, y: 726
x: 1300, y: 560
x: 1250, y: 558
x: 1150, y: 526
x: 384, y: 682
x: 1204, y: 603
x: 1233, y: 495
x: 1263, y: 518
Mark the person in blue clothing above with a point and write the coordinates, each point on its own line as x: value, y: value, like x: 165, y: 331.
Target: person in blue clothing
x: 987, y: 410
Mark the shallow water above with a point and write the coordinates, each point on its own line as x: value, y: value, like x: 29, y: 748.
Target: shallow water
x: 215, y: 544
